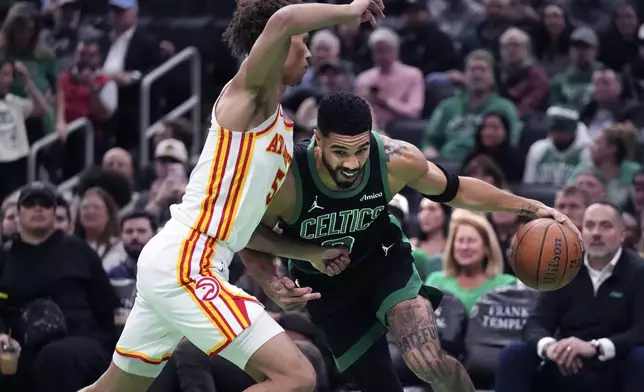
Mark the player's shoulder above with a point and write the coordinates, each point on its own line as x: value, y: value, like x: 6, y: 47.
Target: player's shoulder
x: 401, y: 154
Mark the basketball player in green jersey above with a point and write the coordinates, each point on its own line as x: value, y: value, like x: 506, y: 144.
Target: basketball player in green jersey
x: 336, y: 193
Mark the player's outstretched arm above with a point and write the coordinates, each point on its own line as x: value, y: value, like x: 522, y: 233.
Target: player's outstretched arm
x: 408, y: 167
x: 263, y: 67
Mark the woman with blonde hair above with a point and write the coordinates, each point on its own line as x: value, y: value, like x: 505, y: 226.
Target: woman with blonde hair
x: 473, y: 261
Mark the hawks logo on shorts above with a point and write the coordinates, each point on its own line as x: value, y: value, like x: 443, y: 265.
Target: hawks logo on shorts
x: 207, y: 288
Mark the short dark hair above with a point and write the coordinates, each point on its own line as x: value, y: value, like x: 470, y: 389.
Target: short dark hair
x: 345, y: 114
x: 61, y: 202
x: 138, y: 215
x: 617, y: 209
x: 248, y: 22
x: 572, y: 190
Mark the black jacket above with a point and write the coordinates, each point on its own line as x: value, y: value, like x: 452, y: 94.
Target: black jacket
x: 67, y: 271
x: 616, y: 313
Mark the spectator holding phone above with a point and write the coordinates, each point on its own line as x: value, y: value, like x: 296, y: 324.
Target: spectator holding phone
x: 170, y: 164
x: 14, y: 141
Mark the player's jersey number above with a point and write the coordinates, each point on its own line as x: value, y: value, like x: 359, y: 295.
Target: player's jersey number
x: 279, y: 177
x: 346, y: 241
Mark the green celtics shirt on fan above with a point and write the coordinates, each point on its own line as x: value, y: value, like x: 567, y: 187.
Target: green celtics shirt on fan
x: 356, y: 218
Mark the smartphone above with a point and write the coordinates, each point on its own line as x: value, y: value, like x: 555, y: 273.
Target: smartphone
x: 177, y: 171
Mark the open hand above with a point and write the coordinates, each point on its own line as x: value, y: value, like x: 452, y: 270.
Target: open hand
x: 288, y: 296
x: 544, y: 211
x: 368, y: 10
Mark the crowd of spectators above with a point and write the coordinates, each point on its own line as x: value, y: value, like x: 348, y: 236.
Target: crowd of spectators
x: 541, y: 98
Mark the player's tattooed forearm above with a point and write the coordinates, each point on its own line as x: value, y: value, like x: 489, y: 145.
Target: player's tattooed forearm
x: 394, y: 147
x: 528, y: 210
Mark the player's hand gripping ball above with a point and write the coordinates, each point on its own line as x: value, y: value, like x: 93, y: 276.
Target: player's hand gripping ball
x: 545, y: 254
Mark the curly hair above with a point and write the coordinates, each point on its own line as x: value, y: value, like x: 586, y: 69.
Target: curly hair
x: 624, y: 137
x: 344, y: 113
x: 248, y: 22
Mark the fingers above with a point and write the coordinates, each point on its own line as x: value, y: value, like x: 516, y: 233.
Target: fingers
x: 301, y: 299
x: 371, y: 19
x: 377, y: 7
x: 288, y: 283
x: 556, y: 351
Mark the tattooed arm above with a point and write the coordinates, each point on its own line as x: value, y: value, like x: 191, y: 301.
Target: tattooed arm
x: 413, y: 325
x: 407, y: 166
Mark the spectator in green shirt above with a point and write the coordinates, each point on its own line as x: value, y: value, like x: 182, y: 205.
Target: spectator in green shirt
x: 573, y: 87
x: 611, y: 155
x: 451, y: 132
x: 472, y: 262
x: 19, y: 41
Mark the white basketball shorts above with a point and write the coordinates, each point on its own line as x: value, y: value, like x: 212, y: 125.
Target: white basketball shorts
x: 182, y: 290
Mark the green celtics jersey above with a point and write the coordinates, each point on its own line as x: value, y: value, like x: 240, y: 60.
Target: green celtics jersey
x: 356, y: 218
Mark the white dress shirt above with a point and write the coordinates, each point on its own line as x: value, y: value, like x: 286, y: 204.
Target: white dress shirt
x: 597, y: 277
x: 115, y: 60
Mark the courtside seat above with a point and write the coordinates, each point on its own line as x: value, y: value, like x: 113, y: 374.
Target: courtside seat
x: 544, y: 193
x: 407, y: 129
x: 496, y: 320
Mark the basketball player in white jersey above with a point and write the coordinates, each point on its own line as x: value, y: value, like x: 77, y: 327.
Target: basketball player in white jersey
x: 182, y: 287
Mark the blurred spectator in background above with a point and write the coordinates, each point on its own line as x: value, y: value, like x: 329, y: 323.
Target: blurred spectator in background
x: 635, y: 203
x: 57, y: 303
x: 325, y: 49
x: 399, y: 210
x: 67, y: 31
x: 618, y: 45
x: 505, y: 225
x: 98, y: 225
x: 553, y: 159
x: 83, y: 92
x: 170, y: 163
x: 590, y: 333
x: 611, y: 154
x: 522, y: 80
x: 485, y: 169
x: 137, y: 228
x: 433, y: 220
x: 354, y: 47
x: 392, y: 88
x: 492, y: 139
x: 607, y: 106
x: 178, y: 128
x: 632, y: 231
x: 594, y: 14
x: 593, y: 183
x: 573, y: 88
x: 552, y: 40
x: 120, y: 161
x: 9, y: 220
x: 422, y: 40
x: 451, y: 129
x: 19, y: 40
x: 455, y: 16
x: 133, y: 52
x: 14, y: 135
x: 486, y: 34
x: 633, y: 75
x: 572, y: 202
x: 472, y: 262
x: 63, y: 214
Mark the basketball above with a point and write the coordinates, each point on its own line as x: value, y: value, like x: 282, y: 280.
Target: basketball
x: 545, y: 254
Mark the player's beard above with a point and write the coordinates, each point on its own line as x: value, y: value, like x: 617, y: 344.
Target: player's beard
x: 336, y: 175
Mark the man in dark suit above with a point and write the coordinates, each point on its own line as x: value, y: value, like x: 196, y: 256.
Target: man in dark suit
x: 133, y: 52
x: 589, y: 335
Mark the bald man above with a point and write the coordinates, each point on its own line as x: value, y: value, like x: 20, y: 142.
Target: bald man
x: 119, y: 160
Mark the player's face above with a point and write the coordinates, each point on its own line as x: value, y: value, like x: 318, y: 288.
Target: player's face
x: 344, y: 157
x: 297, y: 61
x: 602, y: 231
x: 469, y: 248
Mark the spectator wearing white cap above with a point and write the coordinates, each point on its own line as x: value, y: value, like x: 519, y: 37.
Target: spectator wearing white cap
x: 170, y: 162
x: 572, y: 88
x: 392, y: 88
